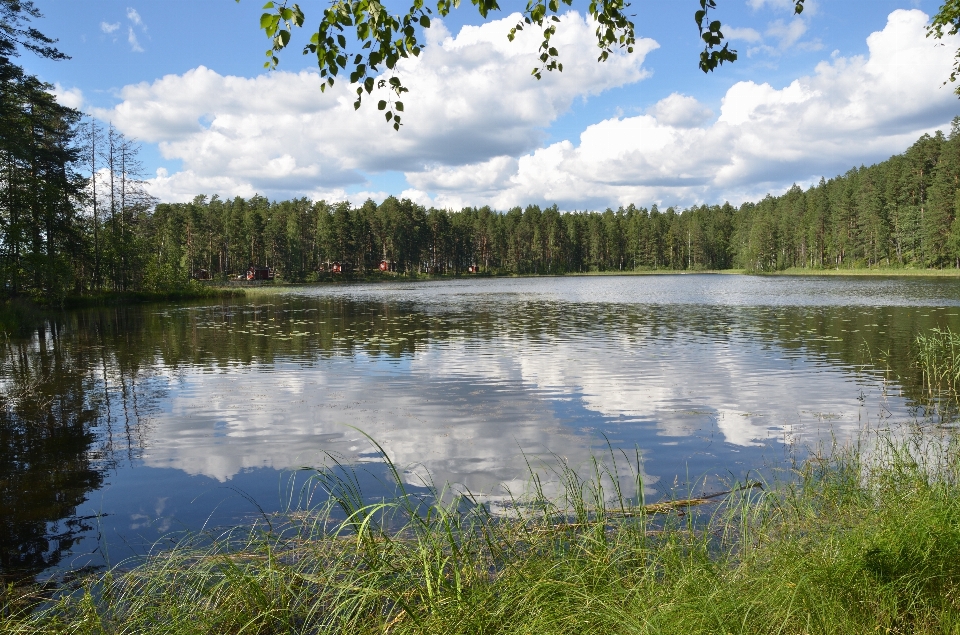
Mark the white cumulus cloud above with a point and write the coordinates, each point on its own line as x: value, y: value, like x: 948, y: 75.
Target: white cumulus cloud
x: 69, y: 97
x: 745, y: 34
x: 787, y: 33
x: 850, y: 110
x: 680, y: 111
x: 471, y: 99
x: 108, y: 27
x: 475, y: 125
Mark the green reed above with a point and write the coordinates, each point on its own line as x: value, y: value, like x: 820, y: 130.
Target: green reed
x: 865, y: 539
x: 938, y: 356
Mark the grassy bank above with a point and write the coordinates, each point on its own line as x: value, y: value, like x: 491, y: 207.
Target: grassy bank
x: 887, y: 272
x: 857, y: 543
x: 375, y: 277
x: 869, y: 271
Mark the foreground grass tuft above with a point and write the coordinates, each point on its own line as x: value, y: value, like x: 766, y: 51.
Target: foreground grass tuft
x: 860, y: 542
x: 938, y: 357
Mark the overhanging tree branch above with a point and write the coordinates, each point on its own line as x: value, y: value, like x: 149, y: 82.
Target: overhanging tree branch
x: 363, y: 38
x: 946, y: 23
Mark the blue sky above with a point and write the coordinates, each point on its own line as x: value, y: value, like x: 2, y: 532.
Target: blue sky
x: 186, y: 79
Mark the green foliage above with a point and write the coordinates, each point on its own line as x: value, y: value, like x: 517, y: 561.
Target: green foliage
x: 713, y: 54
x: 901, y: 213
x: 947, y: 23
x: 51, y: 248
x: 15, y: 34
x: 938, y: 356
x: 301, y: 240
x: 866, y: 541
x: 40, y: 223
x: 364, y: 38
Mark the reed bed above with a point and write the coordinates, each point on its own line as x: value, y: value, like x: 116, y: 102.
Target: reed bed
x: 938, y: 356
x: 850, y: 541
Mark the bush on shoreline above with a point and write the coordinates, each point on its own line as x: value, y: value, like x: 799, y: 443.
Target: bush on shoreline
x: 860, y: 542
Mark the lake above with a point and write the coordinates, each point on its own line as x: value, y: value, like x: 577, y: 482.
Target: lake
x: 122, y: 426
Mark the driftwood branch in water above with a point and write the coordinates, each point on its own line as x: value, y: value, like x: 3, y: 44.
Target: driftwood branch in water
x: 669, y: 506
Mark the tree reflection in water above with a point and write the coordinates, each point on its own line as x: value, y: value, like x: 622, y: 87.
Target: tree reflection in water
x: 56, y: 439
x: 450, y: 379
x: 47, y: 456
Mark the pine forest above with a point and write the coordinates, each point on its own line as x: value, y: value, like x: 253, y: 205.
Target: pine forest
x: 75, y: 218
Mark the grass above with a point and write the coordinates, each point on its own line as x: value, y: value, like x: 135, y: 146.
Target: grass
x: 866, y: 541
x: 893, y: 272
x: 938, y: 356
x: 887, y: 272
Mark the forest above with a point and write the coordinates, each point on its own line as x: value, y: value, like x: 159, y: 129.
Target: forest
x: 72, y: 205
x: 76, y: 219
x: 899, y: 213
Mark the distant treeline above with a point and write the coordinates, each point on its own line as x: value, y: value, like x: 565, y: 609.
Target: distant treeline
x: 75, y: 218
x: 899, y: 213
x: 62, y: 233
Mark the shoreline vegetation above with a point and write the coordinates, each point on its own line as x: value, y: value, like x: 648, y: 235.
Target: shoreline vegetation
x: 857, y: 538
x: 20, y: 313
x: 112, y: 298
x: 899, y: 215
x: 860, y: 539
x: 376, y: 276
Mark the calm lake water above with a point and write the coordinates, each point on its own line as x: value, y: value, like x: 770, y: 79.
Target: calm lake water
x: 119, y: 426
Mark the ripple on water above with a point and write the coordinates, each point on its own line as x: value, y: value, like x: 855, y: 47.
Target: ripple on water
x: 468, y: 381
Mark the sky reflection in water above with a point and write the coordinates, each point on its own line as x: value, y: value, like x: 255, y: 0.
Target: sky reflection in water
x: 464, y: 382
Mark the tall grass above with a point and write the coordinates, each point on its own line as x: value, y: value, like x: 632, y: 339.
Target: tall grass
x: 938, y: 356
x: 851, y: 542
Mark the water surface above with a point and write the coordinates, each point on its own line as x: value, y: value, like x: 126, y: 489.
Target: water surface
x: 122, y: 425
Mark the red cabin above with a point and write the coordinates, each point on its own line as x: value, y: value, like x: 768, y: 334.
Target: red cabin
x: 384, y: 265
x: 336, y: 268
x: 259, y: 273
x: 473, y: 269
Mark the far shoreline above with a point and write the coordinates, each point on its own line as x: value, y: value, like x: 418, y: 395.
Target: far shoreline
x: 785, y: 273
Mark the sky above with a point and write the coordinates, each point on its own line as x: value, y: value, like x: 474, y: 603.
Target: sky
x: 847, y: 83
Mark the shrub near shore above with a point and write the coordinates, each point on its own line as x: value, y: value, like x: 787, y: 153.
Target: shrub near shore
x: 856, y: 543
